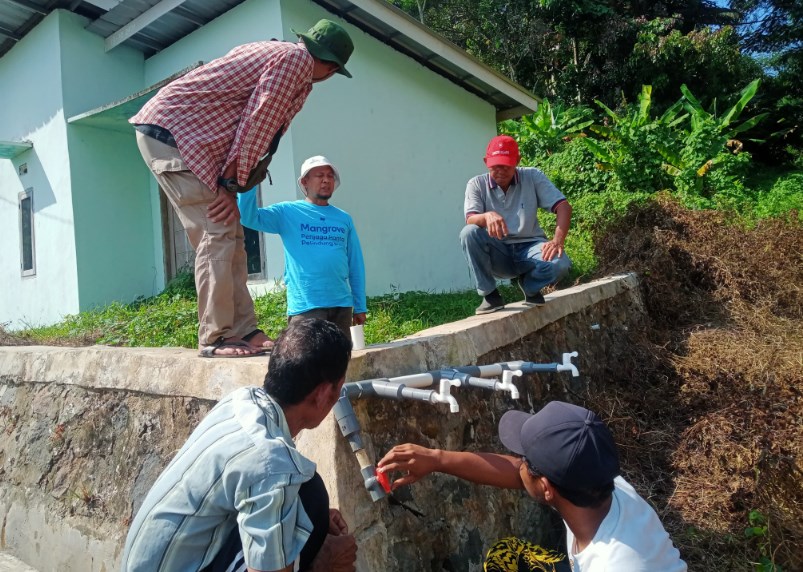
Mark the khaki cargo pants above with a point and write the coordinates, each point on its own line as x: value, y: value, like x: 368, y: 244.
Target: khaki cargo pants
x: 225, y: 307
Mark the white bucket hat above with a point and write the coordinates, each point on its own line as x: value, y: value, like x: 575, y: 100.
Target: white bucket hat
x: 317, y: 161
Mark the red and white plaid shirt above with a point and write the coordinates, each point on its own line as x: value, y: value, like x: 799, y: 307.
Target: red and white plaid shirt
x: 230, y: 109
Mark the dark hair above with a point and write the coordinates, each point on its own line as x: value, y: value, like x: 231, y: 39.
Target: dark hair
x: 585, y: 498
x: 307, y: 353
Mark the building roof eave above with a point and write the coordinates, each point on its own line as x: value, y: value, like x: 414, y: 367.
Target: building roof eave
x: 407, y: 35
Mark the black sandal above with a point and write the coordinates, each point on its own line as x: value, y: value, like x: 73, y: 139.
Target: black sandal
x: 248, y: 337
x: 210, y: 350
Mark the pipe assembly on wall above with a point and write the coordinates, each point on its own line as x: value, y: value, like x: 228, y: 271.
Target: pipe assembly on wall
x: 414, y: 387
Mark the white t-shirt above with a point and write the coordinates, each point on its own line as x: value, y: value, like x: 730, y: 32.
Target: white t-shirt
x: 630, y: 538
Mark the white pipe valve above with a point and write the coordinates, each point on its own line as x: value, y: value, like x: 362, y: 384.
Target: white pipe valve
x: 507, y: 382
x: 444, y: 395
x: 567, y: 364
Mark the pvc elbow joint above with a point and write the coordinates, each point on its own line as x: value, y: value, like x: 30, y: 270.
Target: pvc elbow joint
x: 372, y: 483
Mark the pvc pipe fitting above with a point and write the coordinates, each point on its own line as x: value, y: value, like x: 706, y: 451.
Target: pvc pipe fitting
x: 444, y: 395
x: 507, y: 382
x: 567, y: 364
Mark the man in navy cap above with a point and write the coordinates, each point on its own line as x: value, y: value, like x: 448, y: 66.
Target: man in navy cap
x: 566, y: 459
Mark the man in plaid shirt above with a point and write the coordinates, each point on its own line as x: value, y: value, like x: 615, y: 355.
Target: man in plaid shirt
x: 210, y: 134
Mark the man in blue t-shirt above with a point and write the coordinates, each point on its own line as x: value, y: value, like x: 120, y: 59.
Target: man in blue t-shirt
x: 324, y: 270
x: 502, y: 237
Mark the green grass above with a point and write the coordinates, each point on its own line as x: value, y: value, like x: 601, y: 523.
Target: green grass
x: 397, y: 315
x: 779, y: 195
x: 170, y: 319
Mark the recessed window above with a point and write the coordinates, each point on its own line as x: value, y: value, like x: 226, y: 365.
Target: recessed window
x: 27, y: 251
x: 255, y: 248
x: 253, y: 251
x: 180, y: 255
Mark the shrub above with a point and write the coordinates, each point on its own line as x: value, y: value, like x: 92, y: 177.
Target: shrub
x: 573, y: 170
x: 784, y: 198
x: 183, y: 284
x: 596, y: 211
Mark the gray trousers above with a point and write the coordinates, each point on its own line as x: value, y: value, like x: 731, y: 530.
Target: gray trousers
x: 489, y: 258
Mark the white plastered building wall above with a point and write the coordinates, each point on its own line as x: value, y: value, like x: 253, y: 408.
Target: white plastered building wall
x: 89, y: 238
x: 31, y: 108
x: 405, y: 139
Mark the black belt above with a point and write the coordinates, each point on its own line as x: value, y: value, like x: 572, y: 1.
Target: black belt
x: 157, y: 132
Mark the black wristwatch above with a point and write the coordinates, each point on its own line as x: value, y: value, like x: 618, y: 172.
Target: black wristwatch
x: 230, y: 185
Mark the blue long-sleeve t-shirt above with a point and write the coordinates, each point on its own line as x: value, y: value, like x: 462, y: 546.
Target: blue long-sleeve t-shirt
x: 322, y: 255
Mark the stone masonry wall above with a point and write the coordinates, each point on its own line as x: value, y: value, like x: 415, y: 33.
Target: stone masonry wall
x: 84, y: 432
x: 75, y: 463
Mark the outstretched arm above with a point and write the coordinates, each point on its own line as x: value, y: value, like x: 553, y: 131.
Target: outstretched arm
x: 482, y: 468
x: 356, y: 276
x: 266, y: 219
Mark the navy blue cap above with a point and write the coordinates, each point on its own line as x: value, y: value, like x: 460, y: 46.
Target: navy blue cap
x: 566, y: 443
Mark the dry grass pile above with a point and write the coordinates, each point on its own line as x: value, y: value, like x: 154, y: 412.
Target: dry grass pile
x: 711, y: 415
x: 12, y: 339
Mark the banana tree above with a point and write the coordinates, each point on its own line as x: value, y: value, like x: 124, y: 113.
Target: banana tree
x: 710, y: 143
x: 625, y: 142
x: 725, y: 122
x: 546, y: 130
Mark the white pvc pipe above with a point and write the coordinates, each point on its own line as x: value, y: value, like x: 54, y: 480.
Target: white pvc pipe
x: 567, y: 364
x: 414, y: 380
x: 426, y: 379
x: 507, y: 370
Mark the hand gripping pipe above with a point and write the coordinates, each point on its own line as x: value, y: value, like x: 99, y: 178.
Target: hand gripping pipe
x: 411, y: 387
x: 347, y: 420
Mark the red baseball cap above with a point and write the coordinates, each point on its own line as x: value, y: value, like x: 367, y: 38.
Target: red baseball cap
x: 502, y: 150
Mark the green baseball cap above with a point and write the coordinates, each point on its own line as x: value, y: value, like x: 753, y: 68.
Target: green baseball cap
x: 329, y: 42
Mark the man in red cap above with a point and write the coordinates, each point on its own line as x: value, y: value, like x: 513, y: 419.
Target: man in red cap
x: 566, y: 458
x: 502, y: 237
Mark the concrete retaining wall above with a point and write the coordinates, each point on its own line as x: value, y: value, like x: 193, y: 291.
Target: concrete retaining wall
x: 85, y: 431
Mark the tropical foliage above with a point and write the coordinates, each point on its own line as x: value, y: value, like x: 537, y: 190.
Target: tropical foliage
x: 695, y: 151
x: 578, y: 52
x: 545, y: 131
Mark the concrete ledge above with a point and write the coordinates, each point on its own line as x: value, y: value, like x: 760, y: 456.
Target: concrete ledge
x: 180, y: 372
x: 33, y: 530
x: 9, y: 563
